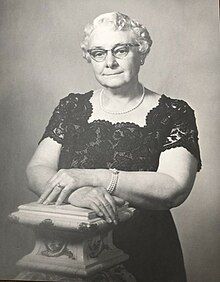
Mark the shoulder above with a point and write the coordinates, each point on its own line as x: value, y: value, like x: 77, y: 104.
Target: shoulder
x: 176, y: 105
x: 183, y: 130
x: 177, y: 109
x: 75, y: 98
x: 75, y: 105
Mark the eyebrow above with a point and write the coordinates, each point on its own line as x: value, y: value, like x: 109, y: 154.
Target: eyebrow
x: 101, y: 47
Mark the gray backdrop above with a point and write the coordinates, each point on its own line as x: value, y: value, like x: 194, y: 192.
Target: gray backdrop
x: 40, y: 62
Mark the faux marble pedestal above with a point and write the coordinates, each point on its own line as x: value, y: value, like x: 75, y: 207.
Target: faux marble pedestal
x: 72, y: 244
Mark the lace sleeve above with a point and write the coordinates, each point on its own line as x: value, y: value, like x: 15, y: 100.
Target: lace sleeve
x: 183, y: 131
x: 56, y: 127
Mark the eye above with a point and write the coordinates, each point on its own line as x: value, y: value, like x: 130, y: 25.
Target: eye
x: 97, y: 53
x: 121, y: 51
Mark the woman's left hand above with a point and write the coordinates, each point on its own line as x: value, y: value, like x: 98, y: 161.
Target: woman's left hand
x: 63, y: 183
x: 97, y: 199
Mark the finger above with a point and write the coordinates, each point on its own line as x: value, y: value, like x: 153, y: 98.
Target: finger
x: 64, y: 194
x: 56, y: 191
x: 108, y: 207
x: 102, y: 208
x: 119, y: 201
x: 48, y: 188
x: 111, y: 200
x: 45, y: 195
x: 96, y: 209
x: 53, y: 178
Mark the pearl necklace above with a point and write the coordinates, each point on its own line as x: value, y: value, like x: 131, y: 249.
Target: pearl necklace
x: 122, y: 112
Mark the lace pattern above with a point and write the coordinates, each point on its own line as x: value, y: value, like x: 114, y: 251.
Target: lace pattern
x: 124, y: 145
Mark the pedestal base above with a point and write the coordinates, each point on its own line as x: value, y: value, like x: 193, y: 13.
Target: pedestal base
x: 69, y: 253
x: 115, y: 274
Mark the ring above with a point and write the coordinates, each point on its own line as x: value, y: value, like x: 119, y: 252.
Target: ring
x: 60, y: 186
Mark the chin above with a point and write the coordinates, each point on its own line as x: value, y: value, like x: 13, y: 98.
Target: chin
x: 112, y: 83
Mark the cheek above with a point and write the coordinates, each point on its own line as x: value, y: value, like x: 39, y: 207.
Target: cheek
x: 132, y: 68
x: 97, y: 68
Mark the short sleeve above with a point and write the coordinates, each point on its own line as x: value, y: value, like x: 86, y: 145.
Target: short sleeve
x: 56, y: 127
x: 183, y: 132
x: 72, y: 110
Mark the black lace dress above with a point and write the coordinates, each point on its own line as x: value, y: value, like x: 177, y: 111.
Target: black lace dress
x: 150, y: 237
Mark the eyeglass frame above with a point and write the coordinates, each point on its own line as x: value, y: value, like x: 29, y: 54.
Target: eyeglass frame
x: 112, y: 49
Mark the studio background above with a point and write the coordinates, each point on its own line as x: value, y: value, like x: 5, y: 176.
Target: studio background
x: 41, y: 62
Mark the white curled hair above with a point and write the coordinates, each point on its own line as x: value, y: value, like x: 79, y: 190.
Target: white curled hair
x: 118, y: 21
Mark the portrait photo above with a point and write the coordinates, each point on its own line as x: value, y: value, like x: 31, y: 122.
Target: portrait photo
x: 109, y: 140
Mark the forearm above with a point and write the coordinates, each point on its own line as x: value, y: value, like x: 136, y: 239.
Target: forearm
x: 38, y: 176
x: 147, y: 190
x: 150, y: 190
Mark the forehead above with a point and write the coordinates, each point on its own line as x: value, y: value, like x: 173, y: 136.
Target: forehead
x: 107, y: 37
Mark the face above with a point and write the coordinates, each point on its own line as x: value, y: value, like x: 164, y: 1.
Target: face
x: 114, y: 72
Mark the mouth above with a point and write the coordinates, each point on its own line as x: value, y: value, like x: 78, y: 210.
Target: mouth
x: 112, y: 74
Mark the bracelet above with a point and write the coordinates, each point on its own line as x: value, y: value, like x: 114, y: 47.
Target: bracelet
x: 114, y: 180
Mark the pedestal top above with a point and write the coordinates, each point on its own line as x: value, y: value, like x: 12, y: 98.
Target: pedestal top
x: 65, y: 209
x: 65, y: 217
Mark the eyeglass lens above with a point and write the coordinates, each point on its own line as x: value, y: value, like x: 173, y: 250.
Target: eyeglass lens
x: 118, y: 52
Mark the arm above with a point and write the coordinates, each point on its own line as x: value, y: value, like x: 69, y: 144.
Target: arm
x: 43, y: 174
x: 178, y: 164
x: 43, y: 165
x: 164, y: 189
x: 43, y: 168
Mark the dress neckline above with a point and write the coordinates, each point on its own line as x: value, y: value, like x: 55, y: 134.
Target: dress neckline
x: 147, y: 116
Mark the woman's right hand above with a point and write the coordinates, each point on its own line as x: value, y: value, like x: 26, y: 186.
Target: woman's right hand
x: 97, y: 199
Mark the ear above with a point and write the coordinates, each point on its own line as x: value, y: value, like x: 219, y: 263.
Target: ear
x: 88, y: 59
x: 142, y: 58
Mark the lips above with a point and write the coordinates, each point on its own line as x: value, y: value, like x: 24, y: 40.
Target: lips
x: 109, y: 74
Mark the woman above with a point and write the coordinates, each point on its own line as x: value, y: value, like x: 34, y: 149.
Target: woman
x: 111, y: 145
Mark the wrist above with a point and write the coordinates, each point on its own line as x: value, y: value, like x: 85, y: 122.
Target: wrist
x: 85, y: 177
x: 101, y: 177
x: 114, y: 181
x: 107, y: 178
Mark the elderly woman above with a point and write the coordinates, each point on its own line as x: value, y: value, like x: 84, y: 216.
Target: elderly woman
x: 122, y: 142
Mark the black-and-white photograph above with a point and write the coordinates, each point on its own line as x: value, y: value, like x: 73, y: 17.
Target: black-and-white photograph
x: 109, y: 140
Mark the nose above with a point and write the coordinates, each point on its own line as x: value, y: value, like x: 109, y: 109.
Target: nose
x: 111, y: 60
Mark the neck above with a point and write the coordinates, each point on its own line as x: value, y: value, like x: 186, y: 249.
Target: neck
x: 124, y: 103
x: 127, y: 91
